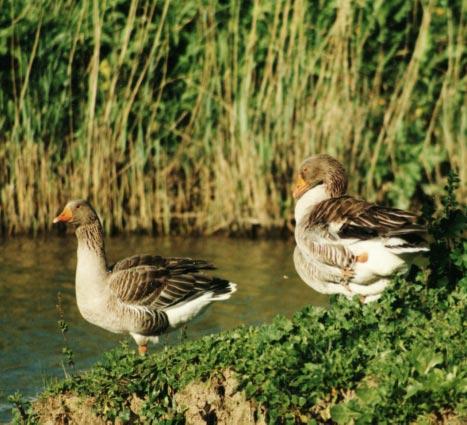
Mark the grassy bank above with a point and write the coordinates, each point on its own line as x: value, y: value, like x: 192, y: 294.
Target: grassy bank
x: 399, y: 360
x: 191, y: 116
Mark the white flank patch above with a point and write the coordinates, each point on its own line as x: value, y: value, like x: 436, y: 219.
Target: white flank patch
x: 189, y: 309
x: 374, y: 288
x: 381, y: 261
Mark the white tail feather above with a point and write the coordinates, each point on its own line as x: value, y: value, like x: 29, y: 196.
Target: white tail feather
x: 222, y: 297
x: 183, y: 312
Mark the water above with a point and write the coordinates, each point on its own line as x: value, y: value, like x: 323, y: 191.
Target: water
x: 33, y: 271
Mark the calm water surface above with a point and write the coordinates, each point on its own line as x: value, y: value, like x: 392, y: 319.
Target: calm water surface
x: 34, y: 271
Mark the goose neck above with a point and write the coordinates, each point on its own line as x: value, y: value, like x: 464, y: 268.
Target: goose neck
x: 91, y: 244
x: 309, y: 200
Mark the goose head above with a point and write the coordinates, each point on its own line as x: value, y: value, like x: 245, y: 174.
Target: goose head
x: 321, y: 171
x: 78, y: 212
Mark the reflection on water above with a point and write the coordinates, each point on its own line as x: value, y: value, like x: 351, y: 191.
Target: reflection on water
x: 32, y: 272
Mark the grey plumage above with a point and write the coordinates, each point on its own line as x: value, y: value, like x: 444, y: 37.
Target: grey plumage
x: 346, y: 245
x: 144, y: 295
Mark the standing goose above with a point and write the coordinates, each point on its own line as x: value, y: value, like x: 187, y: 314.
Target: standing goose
x: 142, y: 295
x: 346, y: 245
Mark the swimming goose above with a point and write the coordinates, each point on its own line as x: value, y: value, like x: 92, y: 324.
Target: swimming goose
x: 346, y: 245
x: 143, y: 295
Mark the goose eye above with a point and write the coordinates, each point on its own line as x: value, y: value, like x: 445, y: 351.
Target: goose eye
x: 79, y: 206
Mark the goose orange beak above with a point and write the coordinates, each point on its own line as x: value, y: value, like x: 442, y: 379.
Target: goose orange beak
x: 299, y: 187
x: 64, y: 217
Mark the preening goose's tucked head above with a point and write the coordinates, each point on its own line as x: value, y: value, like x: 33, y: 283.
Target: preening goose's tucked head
x: 77, y: 212
x: 317, y: 170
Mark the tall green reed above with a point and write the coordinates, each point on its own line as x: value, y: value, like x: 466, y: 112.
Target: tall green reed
x: 192, y: 116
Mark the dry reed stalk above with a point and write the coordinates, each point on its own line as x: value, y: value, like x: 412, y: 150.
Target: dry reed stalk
x: 213, y: 146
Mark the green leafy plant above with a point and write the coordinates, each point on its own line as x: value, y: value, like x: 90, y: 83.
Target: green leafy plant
x: 67, y: 352
x: 22, y: 412
x: 398, y: 360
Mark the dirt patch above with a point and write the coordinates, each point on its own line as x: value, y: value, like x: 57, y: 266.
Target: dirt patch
x: 218, y: 401
x: 321, y: 411
x: 214, y: 402
x: 443, y: 417
x: 71, y: 409
x: 66, y: 409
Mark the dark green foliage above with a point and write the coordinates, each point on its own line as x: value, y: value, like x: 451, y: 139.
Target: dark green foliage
x: 391, y: 361
x: 67, y: 352
x: 22, y: 411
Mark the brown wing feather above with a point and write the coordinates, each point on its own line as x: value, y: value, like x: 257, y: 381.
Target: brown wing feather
x: 364, y: 220
x: 171, y: 263
x: 157, y: 287
x: 332, y: 253
x: 146, y: 285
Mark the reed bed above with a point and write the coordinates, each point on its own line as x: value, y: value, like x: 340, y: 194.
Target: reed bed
x: 191, y: 117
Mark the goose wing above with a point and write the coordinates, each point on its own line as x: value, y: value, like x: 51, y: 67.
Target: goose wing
x: 146, y: 292
x: 324, y: 234
x: 169, y: 263
x: 346, y: 217
x: 157, y: 287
